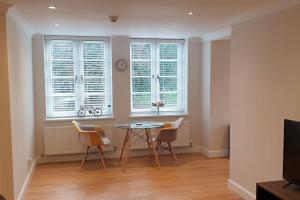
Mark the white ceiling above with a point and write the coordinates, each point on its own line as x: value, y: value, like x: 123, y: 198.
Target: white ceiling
x: 140, y: 18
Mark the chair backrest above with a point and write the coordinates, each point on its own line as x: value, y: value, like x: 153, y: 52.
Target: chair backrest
x: 177, y: 124
x: 87, y: 135
x: 169, y: 134
x: 77, y: 125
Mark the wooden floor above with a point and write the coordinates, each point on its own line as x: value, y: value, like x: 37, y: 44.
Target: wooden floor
x: 196, y: 178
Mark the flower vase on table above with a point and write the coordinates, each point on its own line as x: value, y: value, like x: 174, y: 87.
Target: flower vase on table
x: 158, y: 105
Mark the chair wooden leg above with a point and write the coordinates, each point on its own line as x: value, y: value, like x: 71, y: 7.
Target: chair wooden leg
x: 102, y: 156
x: 149, y: 147
x: 123, y: 147
x: 155, y: 154
x: 126, y: 149
x: 153, y: 147
x: 158, y: 146
x: 172, y: 153
x: 84, y: 157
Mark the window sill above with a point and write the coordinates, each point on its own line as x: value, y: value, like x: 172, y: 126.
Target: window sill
x: 161, y: 114
x: 80, y: 119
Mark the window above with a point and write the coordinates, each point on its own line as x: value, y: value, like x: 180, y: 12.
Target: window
x: 158, y: 74
x: 77, y: 74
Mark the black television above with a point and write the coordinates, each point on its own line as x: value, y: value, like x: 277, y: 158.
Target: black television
x: 291, y: 152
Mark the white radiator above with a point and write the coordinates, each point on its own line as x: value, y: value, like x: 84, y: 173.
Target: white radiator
x: 65, y: 140
x: 183, y: 138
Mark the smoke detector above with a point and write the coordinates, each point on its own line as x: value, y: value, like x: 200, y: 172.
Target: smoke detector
x: 113, y: 18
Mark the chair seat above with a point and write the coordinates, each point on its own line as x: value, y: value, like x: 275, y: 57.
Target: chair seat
x: 106, y: 140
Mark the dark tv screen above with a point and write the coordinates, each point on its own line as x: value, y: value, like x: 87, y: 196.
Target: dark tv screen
x: 291, y: 157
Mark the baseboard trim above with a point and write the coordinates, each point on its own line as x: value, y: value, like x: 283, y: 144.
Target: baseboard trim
x: 78, y: 157
x: 112, y: 154
x: 134, y: 153
x: 27, y: 179
x: 213, y: 153
x: 196, y: 149
x: 235, y: 187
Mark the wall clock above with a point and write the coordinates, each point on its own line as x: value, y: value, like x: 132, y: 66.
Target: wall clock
x: 121, y: 64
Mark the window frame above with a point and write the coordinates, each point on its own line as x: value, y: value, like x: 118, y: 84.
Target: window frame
x: 155, y: 70
x: 78, y: 72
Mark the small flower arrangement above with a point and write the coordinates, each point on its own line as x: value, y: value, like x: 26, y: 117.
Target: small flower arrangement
x: 158, y: 105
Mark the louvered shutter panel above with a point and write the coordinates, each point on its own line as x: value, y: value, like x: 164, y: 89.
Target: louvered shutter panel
x: 77, y: 73
x: 158, y: 74
x: 61, y: 87
x: 141, y: 61
x: 169, y: 67
x: 95, y: 90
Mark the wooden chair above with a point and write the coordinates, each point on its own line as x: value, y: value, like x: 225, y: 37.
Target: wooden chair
x: 92, y: 136
x: 168, y: 134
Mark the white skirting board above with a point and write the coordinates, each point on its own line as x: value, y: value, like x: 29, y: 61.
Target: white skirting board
x: 27, y: 180
x: 235, y: 187
x: 111, y: 154
x: 132, y: 153
x: 213, y: 153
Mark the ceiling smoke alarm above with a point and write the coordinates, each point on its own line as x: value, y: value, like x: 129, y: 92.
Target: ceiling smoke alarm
x: 113, y: 18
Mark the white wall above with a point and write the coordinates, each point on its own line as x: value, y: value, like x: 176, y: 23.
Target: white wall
x: 121, y: 86
x: 205, y: 78
x: 264, y: 90
x: 21, y: 98
x: 214, y: 101
x: 6, y: 171
x: 194, y: 91
x: 219, y: 96
x: 121, y: 91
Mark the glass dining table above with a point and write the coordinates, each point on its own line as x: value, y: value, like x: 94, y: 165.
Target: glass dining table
x: 138, y: 131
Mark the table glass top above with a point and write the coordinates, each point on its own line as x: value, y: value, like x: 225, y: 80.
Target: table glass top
x: 140, y: 125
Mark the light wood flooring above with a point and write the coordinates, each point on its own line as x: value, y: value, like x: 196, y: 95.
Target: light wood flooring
x: 197, y: 177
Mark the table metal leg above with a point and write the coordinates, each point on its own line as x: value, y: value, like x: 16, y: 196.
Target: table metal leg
x: 124, y: 143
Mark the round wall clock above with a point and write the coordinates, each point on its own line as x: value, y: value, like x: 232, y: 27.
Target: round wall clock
x: 121, y: 64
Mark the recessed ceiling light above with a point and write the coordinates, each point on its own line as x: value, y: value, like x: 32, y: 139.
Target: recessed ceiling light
x: 162, y: 28
x: 52, y: 7
x: 56, y: 25
x: 190, y: 13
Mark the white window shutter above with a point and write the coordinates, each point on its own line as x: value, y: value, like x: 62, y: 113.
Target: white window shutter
x: 168, y: 78
x: 141, y: 75
x: 77, y: 74
x: 157, y: 74
x: 61, y: 89
x: 94, y: 76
